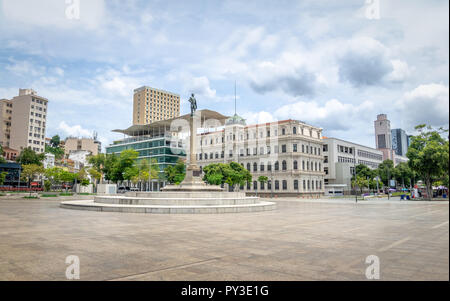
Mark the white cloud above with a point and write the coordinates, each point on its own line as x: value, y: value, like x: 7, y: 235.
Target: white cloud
x: 258, y: 117
x: 426, y: 104
x: 333, y: 115
x: 74, y: 130
x: 200, y: 85
x: 401, y: 71
x: 52, y: 13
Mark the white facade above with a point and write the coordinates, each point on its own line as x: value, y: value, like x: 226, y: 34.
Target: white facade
x: 341, y: 157
x: 49, y: 160
x: 288, y: 153
x: 79, y: 158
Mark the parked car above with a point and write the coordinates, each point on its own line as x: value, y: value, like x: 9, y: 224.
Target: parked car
x: 123, y: 189
x: 134, y: 189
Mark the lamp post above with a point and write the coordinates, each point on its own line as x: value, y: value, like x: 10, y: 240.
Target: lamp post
x: 356, y: 174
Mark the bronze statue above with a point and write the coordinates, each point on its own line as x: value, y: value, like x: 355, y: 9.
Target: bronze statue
x: 193, y: 102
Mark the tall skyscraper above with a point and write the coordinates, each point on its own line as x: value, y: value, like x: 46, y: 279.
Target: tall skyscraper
x: 23, y: 121
x: 383, y: 140
x: 151, y: 104
x: 400, y: 142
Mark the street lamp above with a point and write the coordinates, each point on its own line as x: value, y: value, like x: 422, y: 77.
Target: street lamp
x: 356, y: 174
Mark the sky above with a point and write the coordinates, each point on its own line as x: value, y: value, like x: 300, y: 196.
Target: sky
x: 332, y: 64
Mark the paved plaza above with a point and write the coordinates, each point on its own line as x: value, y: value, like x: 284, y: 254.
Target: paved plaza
x: 300, y: 240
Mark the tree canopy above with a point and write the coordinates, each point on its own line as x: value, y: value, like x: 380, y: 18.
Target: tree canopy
x: 29, y: 156
x: 231, y: 174
x: 428, y: 155
x: 175, y: 173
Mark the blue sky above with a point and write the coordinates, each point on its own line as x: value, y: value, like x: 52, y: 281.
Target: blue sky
x: 333, y: 64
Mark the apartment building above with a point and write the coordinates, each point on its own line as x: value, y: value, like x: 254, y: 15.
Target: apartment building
x: 23, y: 121
x: 340, y: 159
x: 151, y: 105
x: 288, y: 153
x: 73, y: 144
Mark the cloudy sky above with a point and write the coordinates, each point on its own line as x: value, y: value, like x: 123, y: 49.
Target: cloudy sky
x: 334, y: 64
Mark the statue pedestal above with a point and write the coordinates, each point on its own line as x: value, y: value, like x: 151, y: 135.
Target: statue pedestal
x: 192, y: 182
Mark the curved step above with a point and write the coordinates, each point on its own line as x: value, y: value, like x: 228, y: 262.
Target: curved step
x: 162, y: 209
x: 179, y: 201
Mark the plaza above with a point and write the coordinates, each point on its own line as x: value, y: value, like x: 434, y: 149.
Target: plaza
x: 320, y: 239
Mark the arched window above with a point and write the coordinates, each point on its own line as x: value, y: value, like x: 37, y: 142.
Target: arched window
x: 248, y: 166
x: 284, y: 185
x: 295, y: 165
x: 277, y: 166
x: 261, y: 185
x: 284, y: 165
x: 255, y: 185
x: 294, y: 130
x: 277, y: 185
x: 269, y: 184
x: 261, y: 167
x: 296, y: 184
x: 255, y: 166
x: 269, y: 166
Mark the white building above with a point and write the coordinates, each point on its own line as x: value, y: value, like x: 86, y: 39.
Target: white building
x: 79, y: 158
x: 340, y: 159
x: 288, y: 153
x: 49, y: 160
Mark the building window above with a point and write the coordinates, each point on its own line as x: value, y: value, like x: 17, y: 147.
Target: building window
x: 269, y: 184
x: 294, y: 147
x: 283, y: 148
x: 277, y: 166
x: 284, y: 165
x: 269, y: 166
x: 277, y: 185
x: 295, y: 165
x: 294, y: 130
x: 296, y: 184
x: 284, y: 185
x: 261, y: 185
x: 283, y: 131
x: 248, y: 166
x: 325, y: 159
x: 261, y: 167
x: 255, y: 185
x: 255, y: 166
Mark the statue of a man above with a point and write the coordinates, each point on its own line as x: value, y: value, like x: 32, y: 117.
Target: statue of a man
x: 193, y: 102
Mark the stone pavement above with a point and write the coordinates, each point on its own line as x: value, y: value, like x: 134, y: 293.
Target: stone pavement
x: 301, y: 240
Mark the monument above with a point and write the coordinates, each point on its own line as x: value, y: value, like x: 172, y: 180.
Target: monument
x: 192, y: 180
x: 193, y: 195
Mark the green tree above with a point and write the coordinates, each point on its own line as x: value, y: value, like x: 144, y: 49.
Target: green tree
x: 428, y: 155
x: 385, y: 171
x: 360, y: 183
x: 55, y: 141
x: 175, y: 173
x: 2, y: 159
x: 404, y: 174
x: 53, y: 174
x: 125, y: 167
x: 67, y: 177
x: 3, y: 177
x: 232, y: 174
x: 31, y: 171
x: 57, y: 151
x: 108, y: 166
x: 29, y: 156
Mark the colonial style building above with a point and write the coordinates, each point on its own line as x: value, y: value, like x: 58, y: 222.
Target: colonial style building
x: 288, y: 153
